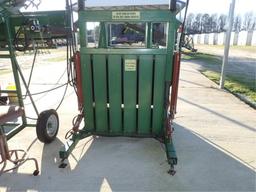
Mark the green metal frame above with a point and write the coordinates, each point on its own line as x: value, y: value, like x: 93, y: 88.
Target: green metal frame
x: 5, y: 15
x: 110, y: 93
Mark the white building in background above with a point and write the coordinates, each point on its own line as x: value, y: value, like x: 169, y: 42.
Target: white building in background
x: 219, y: 38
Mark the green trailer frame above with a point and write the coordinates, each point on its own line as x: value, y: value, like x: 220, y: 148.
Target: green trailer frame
x: 125, y: 91
x: 45, y: 121
x: 7, y: 52
x: 5, y: 15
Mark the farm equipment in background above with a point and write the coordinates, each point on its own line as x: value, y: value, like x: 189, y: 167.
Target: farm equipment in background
x: 188, y: 43
x: 31, y: 30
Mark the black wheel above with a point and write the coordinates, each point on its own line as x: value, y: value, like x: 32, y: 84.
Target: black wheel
x: 36, y: 172
x: 47, y: 126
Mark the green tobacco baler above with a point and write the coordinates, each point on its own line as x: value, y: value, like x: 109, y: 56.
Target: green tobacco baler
x: 126, y: 66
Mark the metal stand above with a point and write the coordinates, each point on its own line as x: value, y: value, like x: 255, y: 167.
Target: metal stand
x: 18, y: 157
x: 17, y: 74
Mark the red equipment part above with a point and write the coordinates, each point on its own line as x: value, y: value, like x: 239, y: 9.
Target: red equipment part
x: 171, y: 105
x: 77, y: 62
x: 175, y: 84
x: 17, y: 157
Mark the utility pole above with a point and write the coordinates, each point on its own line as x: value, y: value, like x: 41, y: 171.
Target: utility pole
x: 227, y: 44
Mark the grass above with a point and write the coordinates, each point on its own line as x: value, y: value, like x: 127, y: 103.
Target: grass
x: 234, y: 84
x: 233, y: 47
x: 244, y: 48
x: 211, y: 59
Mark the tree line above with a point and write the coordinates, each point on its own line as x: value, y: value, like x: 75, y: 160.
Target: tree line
x: 205, y: 23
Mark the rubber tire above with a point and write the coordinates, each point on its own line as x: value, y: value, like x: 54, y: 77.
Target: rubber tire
x: 41, y: 124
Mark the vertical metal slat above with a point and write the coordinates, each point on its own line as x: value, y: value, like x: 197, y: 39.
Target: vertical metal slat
x: 129, y: 89
x: 145, y: 94
x: 115, y: 96
x: 87, y: 92
x: 158, y: 95
x: 100, y: 92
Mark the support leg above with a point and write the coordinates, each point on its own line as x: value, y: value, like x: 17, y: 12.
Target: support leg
x: 171, y: 156
x: 67, y: 149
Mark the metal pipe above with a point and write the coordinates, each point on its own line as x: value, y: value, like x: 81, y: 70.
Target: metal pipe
x: 227, y: 44
x: 14, y: 66
x: 173, y: 7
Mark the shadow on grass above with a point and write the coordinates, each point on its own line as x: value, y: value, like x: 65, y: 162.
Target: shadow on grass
x: 210, y: 59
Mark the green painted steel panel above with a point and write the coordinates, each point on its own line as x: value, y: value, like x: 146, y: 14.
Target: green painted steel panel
x: 87, y: 92
x: 100, y: 92
x: 135, y: 51
x: 158, y: 96
x: 122, y: 82
x: 115, y: 93
x: 145, y: 93
x: 129, y: 94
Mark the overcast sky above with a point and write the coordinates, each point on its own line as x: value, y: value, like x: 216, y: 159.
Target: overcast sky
x: 195, y: 6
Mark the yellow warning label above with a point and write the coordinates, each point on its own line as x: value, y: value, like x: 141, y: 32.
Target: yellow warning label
x: 130, y: 65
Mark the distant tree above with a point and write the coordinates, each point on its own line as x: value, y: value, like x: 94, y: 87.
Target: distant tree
x: 197, y: 24
x: 249, y: 25
x: 214, y: 23
x: 249, y: 22
x: 222, y: 21
x: 205, y: 23
x: 189, y: 23
x: 237, y: 25
x: 254, y: 23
